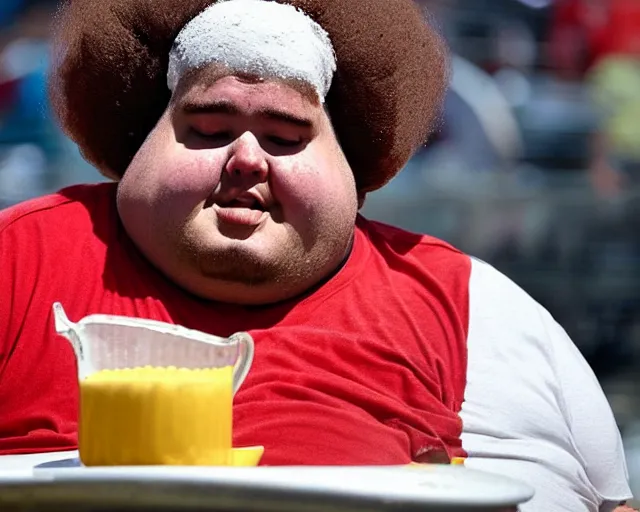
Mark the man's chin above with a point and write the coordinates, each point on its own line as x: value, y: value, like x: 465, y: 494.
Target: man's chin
x: 237, y: 232
x: 238, y: 262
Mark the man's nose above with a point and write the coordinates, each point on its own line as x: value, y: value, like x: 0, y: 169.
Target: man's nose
x: 248, y: 164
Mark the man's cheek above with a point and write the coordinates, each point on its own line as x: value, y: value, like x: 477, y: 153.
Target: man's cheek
x: 300, y: 188
x: 191, y: 177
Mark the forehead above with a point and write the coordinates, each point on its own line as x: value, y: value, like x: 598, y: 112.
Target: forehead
x: 247, y: 92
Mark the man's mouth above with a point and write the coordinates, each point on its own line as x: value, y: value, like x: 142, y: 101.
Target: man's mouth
x: 244, y: 202
x: 244, y: 210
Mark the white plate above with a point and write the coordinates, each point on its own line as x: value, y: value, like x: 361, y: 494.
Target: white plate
x: 427, y: 489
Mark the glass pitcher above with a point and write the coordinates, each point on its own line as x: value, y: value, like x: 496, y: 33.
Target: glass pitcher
x: 156, y: 393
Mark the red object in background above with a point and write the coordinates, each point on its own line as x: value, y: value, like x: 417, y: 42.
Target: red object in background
x: 8, y: 93
x: 585, y: 31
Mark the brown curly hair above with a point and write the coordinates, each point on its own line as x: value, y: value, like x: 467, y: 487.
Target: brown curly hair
x: 108, y: 88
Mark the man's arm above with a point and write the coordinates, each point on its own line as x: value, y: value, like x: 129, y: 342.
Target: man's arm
x: 533, y: 408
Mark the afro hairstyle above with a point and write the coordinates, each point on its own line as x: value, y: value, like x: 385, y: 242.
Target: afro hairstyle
x: 108, y: 84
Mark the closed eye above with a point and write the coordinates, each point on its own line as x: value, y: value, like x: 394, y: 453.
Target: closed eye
x: 217, y: 137
x: 285, y: 143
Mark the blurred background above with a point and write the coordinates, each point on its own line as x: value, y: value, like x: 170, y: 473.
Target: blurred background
x: 535, y: 168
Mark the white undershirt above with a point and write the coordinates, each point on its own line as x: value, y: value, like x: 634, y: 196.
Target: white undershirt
x: 533, y: 408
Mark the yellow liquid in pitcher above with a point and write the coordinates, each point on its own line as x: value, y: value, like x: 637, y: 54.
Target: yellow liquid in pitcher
x: 156, y: 416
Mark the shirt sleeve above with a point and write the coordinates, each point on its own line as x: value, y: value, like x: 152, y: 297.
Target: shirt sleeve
x: 533, y: 408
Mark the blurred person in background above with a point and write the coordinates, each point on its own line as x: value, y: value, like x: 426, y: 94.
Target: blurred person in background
x: 599, y: 41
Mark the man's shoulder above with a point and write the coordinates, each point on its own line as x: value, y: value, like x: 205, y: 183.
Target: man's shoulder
x: 59, y: 210
x: 402, y: 239
x: 425, y: 262
x: 412, y: 245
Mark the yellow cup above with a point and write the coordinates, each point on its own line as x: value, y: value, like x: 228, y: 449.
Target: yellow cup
x: 157, y: 416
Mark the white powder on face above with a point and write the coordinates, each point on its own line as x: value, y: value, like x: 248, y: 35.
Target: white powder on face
x: 260, y: 37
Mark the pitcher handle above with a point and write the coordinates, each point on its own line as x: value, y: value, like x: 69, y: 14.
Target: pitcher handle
x: 245, y: 358
x: 67, y: 328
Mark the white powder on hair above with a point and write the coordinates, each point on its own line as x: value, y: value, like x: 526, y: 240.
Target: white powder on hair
x: 260, y: 37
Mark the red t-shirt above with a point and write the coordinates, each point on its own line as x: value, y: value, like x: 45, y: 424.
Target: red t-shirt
x: 368, y: 369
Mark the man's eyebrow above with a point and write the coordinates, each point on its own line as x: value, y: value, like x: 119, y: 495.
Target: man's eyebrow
x: 287, y: 117
x: 209, y: 107
x: 229, y: 108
